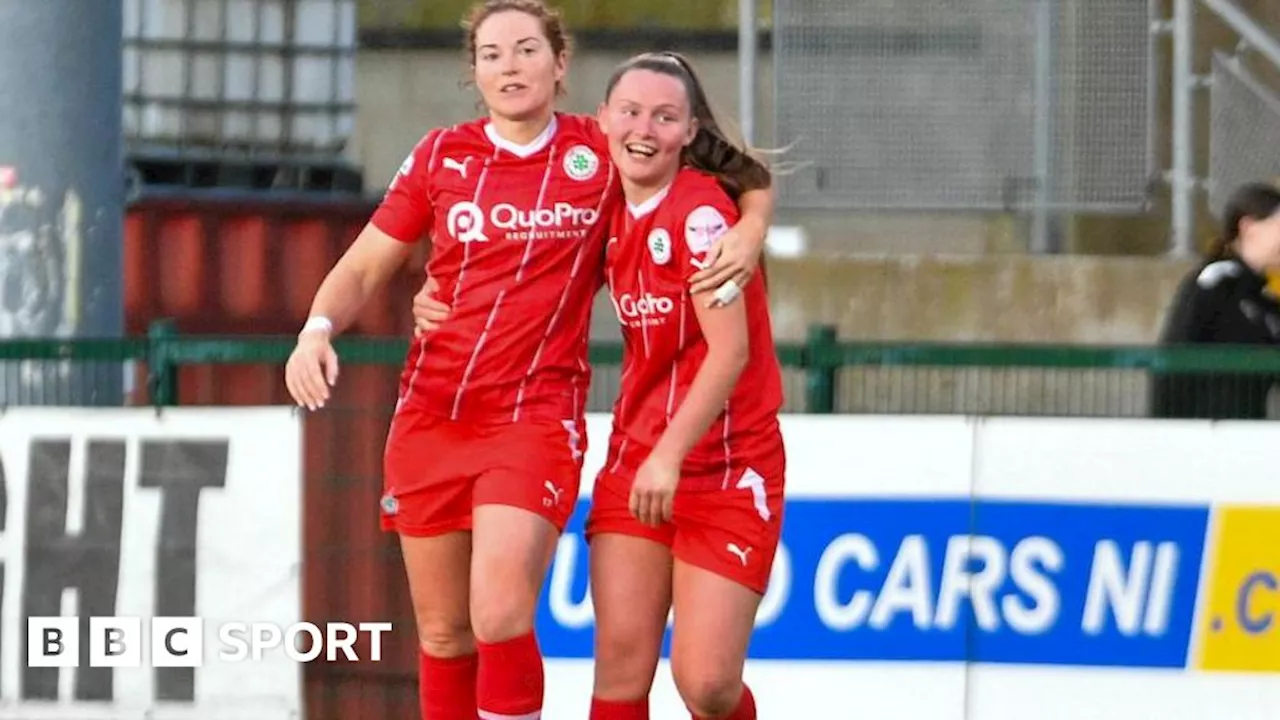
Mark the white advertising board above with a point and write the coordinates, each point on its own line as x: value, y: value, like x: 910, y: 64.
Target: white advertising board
x: 136, y: 514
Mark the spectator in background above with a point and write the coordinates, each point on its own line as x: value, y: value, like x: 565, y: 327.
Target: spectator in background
x: 1227, y: 301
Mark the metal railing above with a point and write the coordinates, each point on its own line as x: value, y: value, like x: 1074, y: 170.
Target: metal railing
x: 1184, y: 178
x: 822, y: 375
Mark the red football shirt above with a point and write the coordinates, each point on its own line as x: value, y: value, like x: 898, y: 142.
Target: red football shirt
x: 517, y: 247
x: 652, y: 252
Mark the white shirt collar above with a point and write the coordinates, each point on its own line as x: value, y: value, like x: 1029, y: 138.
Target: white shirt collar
x: 648, y: 206
x: 522, y: 151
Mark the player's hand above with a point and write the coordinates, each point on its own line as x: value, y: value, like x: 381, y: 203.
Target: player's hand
x: 733, y: 257
x: 653, y: 492
x: 428, y: 312
x: 312, y: 369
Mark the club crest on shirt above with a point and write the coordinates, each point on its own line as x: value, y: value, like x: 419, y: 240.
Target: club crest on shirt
x: 581, y: 163
x: 703, y: 227
x: 660, y: 246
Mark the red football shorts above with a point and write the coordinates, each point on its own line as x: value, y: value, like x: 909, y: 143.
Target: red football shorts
x: 436, y: 470
x: 732, y: 532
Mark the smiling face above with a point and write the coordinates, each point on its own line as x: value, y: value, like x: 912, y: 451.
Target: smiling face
x: 517, y: 69
x: 648, y: 120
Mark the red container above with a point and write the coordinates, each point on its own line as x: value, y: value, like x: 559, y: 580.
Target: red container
x: 247, y: 266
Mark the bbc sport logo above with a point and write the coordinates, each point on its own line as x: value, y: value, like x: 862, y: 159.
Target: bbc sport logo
x: 181, y: 641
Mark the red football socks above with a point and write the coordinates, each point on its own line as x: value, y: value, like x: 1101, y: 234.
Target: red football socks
x: 510, y: 682
x: 619, y: 709
x: 447, y: 687
x: 746, y: 709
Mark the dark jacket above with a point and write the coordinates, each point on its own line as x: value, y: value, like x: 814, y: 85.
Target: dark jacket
x: 1223, y: 302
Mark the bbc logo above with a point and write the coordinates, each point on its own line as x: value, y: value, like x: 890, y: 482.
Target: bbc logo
x: 180, y: 641
x: 115, y: 642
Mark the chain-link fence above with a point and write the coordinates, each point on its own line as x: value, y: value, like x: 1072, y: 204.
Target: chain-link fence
x: 1244, y: 130
x: 964, y: 104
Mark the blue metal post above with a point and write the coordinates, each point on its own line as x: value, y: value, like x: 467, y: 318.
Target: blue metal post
x: 61, y: 190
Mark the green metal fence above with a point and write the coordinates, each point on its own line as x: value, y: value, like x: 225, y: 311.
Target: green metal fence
x: 822, y: 374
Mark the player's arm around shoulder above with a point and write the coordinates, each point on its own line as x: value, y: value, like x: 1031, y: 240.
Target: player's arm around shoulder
x: 736, y: 256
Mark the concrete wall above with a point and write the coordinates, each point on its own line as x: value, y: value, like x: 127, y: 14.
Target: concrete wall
x: 970, y: 298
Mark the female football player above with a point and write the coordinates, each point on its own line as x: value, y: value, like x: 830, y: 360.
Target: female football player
x: 688, y: 509
x: 482, y: 459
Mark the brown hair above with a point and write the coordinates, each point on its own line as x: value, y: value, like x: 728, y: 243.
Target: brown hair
x: 552, y: 25
x: 711, y: 150
x: 1258, y: 201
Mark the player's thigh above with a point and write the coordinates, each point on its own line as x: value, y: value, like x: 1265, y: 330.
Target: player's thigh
x: 427, y: 487
x: 725, y: 546
x: 631, y: 595
x: 523, y: 497
x: 512, y: 549
x: 438, y: 568
x: 714, y: 621
x: 630, y: 580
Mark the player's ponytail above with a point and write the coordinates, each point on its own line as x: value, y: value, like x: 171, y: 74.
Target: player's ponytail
x: 711, y: 150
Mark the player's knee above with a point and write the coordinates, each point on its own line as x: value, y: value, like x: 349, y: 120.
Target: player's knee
x: 707, y: 692
x: 499, y: 617
x: 625, y: 664
x: 446, y: 638
x: 625, y: 646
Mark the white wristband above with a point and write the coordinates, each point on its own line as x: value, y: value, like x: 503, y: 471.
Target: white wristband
x: 317, y: 322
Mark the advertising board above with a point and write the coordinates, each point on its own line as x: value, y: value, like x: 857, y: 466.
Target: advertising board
x: 996, y: 568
